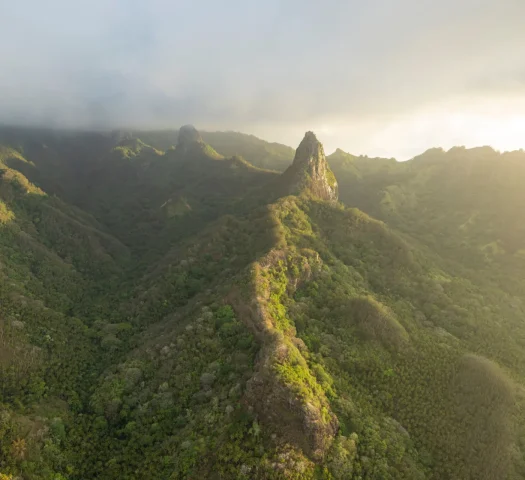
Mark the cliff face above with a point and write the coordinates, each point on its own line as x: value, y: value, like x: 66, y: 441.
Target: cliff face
x: 310, y: 171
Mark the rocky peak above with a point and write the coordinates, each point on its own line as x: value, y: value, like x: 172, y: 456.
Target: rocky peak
x: 188, y: 137
x: 310, y: 170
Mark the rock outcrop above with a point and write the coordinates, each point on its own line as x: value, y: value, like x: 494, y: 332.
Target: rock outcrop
x: 310, y: 171
x: 189, y: 138
x: 190, y: 146
x: 189, y: 134
x: 283, y: 392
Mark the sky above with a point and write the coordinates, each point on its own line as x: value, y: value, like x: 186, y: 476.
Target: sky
x: 379, y: 77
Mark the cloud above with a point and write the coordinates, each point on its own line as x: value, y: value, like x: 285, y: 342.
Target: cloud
x: 248, y: 65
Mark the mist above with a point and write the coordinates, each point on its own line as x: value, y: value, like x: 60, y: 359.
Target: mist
x: 381, y: 77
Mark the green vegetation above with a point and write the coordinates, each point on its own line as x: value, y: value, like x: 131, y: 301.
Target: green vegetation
x: 261, y: 154
x: 168, y: 313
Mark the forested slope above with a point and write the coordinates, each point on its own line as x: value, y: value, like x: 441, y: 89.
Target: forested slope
x: 176, y: 313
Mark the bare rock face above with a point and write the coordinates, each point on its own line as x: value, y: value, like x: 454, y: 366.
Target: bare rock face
x: 310, y: 171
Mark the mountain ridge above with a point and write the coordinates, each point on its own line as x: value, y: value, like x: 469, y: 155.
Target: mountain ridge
x: 174, y: 315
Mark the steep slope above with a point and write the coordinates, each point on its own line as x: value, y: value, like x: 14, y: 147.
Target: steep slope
x: 52, y: 159
x: 316, y: 353
x: 484, y: 186
x: 135, y: 190
x: 57, y: 267
x: 261, y: 154
x: 303, y: 349
x: 462, y: 204
x: 252, y: 327
x: 310, y: 171
x: 360, y: 178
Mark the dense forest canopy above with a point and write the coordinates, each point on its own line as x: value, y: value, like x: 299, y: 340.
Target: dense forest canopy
x: 185, y: 305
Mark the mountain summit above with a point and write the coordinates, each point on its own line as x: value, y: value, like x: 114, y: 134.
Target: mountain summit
x: 310, y: 170
x: 189, y: 136
x: 190, y: 145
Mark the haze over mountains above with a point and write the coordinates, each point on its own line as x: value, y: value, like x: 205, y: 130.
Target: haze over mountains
x: 346, y: 302
x: 185, y: 305
x: 368, y: 77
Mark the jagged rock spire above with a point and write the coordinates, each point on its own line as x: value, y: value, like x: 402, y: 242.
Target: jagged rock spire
x: 310, y: 170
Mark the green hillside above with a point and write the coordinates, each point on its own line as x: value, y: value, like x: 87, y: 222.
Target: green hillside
x: 462, y: 204
x: 185, y: 313
x: 262, y: 154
